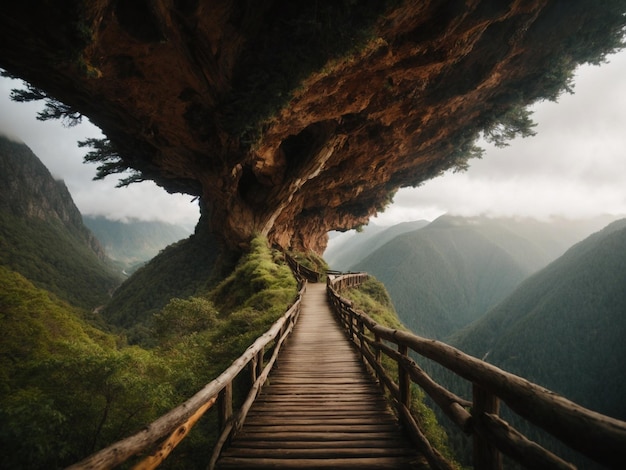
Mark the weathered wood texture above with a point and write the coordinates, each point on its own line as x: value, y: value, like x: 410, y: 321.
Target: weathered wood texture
x: 321, y: 408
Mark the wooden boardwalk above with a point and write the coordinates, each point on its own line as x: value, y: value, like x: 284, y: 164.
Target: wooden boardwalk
x: 320, y: 409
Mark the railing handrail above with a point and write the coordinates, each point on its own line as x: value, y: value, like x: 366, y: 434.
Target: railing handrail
x: 301, y: 270
x: 597, y: 436
x: 179, y: 420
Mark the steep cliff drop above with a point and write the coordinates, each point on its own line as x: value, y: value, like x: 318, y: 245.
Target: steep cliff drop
x: 291, y: 120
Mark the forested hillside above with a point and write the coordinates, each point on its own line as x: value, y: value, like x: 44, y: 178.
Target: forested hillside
x: 42, y: 235
x: 449, y: 273
x: 68, y: 384
x: 68, y: 389
x: 181, y: 270
x: 133, y: 242
x: 564, y: 327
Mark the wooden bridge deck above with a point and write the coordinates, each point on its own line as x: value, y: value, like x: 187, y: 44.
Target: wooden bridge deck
x: 321, y: 409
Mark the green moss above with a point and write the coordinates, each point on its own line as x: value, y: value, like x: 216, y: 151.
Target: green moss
x: 312, y: 261
x: 259, y: 271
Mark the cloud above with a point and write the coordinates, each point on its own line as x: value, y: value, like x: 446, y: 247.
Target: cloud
x: 574, y: 167
x: 143, y: 201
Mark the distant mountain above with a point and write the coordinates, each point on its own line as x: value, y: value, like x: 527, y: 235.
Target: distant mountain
x: 347, y: 249
x: 565, y: 327
x: 182, y: 269
x: 42, y: 235
x: 449, y: 273
x: 134, y: 242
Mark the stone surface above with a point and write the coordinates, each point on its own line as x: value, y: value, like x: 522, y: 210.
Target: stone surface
x: 279, y: 125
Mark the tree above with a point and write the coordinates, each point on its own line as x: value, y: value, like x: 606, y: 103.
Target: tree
x: 515, y: 122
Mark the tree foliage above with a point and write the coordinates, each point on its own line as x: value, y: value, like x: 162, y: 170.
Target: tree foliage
x: 53, y: 109
x: 68, y: 389
x: 109, y: 160
x: 516, y: 122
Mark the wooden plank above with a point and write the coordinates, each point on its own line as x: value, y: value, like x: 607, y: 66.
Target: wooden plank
x: 269, y: 420
x: 313, y: 436
x: 355, y: 463
x: 319, y: 453
x: 380, y: 443
x: 320, y: 408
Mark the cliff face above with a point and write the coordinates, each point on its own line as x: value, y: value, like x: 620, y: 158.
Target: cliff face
x: 28, y: 191
x: 291, y: 120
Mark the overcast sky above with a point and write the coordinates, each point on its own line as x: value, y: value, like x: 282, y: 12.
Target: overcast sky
x: 574, y: 167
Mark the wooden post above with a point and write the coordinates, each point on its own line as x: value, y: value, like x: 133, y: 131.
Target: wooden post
x: 486, y: 455
x: 225, y: 405
x: 361, y: 339
x: 404, y: 380
x: 378, y: 352
x: 351, y: 319
x: 252, y: 369
x: 259, y: 362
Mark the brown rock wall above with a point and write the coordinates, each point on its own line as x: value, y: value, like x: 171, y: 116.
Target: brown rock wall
x: 185, y: 90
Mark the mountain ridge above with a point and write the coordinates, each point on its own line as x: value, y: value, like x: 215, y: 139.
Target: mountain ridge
x: 441, y: 277
x: 133, y: 242
x: 42, y: 235
x: 582, y: 291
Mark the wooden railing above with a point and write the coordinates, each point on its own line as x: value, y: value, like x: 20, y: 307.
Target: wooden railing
x: 302, y: 271
x: 170, y: 429
x: 599, y: 437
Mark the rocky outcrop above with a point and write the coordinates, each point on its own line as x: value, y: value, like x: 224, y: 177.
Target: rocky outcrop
x: 29, y: 191
x: 292, y: 120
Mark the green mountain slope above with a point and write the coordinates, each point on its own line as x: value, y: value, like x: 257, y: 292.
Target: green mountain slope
x: 443, y: 276
x: 42, y: 235
x: 349, y: 249
x: 66, y: 389
x: 564, y: 327
x: 449, y: 273
x: 135, y: 241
